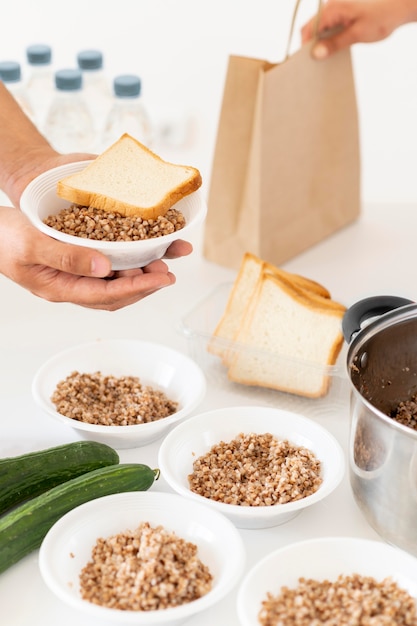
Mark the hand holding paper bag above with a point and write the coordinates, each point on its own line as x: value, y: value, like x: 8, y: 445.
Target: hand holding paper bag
x: 286, y: 167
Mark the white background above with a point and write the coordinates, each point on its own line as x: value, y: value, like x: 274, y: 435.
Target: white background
x: 180, y: 49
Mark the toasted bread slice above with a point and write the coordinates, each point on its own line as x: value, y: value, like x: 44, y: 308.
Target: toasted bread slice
x: 292, y: 336
x: 251, y: 269
x: 130, y: 179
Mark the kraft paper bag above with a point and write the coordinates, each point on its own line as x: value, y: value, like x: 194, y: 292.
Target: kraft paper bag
x: 286, y: 166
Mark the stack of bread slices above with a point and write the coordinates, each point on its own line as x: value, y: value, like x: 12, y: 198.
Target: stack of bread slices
x: 279, y: 330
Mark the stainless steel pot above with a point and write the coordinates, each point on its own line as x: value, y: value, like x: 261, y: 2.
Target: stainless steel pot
x: 382, y: 367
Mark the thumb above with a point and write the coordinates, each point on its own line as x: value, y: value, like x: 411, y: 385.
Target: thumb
x: 72, y: 259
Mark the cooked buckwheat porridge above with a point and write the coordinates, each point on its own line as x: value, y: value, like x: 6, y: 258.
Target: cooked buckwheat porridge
x: 146, y: 569
x: 256, y: 470
x: 352, y: 600
x: 406, y: 412
x: 96, y: 224
x: 110, y: 400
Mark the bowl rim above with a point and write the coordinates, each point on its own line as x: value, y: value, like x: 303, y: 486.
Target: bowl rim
x: 248, y: 512
x: 236, y: 566
x: 199, y: 388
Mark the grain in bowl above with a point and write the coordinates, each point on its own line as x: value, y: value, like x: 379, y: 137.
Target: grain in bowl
x: 147, y: 569
x: 256, y: 469
x: 39, y: 202
x: 68, y: 547
x: 160, y: 386
x: 100, y: 225
x: 109, y: 400
x: 259, y: 466
x: 350, y: 600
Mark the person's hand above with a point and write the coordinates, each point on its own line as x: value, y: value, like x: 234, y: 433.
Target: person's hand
x: 50, y: 269
x: 37, y: 161
x: 353, y: 21
x: 60, y: 272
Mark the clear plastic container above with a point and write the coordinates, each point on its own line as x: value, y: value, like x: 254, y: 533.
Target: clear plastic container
x: 127, y: 114
x: 69, y: 125
x: 11, y: 76
x: 198, y: 326
x: 40, y: 79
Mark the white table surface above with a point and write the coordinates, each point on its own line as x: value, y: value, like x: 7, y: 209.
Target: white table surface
x: 373, y: 256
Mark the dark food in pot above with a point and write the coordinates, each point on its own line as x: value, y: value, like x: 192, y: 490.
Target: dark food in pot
x: 406, y: 413
x: 382, y: 364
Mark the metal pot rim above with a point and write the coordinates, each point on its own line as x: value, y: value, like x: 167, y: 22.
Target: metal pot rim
x: 384, y: 321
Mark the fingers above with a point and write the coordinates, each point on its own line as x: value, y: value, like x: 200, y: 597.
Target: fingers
x: 59, y: 272
x: 124, y: 288
x: 122, y: 291
x: 307, y: 31
x: 344, y: 23
x: 68, y: 258
x: 325, y: 47
x: 83, y: 277
x: 86, y: 262
x: 75, y: 274
x: 156, y: 267
x: 334, y: 35
x: 178, y: 248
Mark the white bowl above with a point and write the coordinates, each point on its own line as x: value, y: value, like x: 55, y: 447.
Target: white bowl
x: 39, y: 200
x: 190, y: 440
x: 67, y: 548
x: 156, y: 365
x: 320, y: 559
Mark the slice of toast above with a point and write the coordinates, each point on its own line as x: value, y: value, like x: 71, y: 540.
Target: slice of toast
x: 291, y: 336
x: 245, y: 283
x: 130, y: 179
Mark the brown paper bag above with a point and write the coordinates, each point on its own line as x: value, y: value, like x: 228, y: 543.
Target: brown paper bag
x: 286, y: 166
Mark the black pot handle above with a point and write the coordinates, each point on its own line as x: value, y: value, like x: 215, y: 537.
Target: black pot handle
x: 366, y: 308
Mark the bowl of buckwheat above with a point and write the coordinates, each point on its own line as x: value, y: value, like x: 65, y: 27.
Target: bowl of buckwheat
x: 258, y: 465
x: 122, y: 392
x: 141, y: 558
x: 129, y: 242
x: 330, y: 580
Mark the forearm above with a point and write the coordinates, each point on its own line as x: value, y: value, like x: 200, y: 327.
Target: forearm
x: 22, y: 147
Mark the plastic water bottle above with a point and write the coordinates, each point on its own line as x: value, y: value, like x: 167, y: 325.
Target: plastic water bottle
x: 69, y: 125
x: 40, y: 80
x: 127, y: 113
x: 96, y: 88
x: 11, y: 76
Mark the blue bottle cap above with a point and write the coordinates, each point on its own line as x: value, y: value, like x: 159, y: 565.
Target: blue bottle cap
x: 68, y: 79
x: 90, y: 60
x: 127, y: 85
x: 10, y: 71
x: 39, y: 54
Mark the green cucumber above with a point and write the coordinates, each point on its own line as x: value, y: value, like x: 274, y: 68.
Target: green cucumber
x: 23, y: 529
x: 29, y: 475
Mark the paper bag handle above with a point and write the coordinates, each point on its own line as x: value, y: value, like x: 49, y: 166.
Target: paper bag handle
x: 292, y: 27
